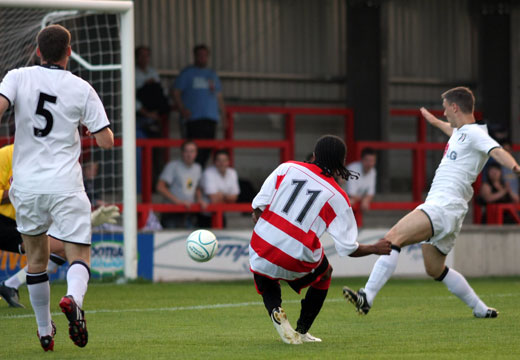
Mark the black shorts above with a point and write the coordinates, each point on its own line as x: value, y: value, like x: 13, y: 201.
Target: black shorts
x: 10, y: 238
x: 297, y: 285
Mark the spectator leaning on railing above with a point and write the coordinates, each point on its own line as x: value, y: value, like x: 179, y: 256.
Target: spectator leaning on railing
x: 362, y: 190
x: 495, y: 190
x: 179, y: 184
x: 219, y: 183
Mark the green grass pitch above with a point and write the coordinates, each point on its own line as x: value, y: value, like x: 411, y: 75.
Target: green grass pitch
x: 411, y: 319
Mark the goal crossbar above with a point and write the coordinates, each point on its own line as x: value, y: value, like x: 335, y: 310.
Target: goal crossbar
x: 102, y: 5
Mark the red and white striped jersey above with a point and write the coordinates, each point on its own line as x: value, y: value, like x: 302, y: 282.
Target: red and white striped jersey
x: 299, y: 204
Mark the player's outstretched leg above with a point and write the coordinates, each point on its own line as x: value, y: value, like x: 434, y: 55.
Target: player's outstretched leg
x: 285, y: 330
x: 77, y: 280
x: 458, y: 285
x: 10, y: 294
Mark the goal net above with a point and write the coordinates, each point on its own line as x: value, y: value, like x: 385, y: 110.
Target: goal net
x: 97, y: 58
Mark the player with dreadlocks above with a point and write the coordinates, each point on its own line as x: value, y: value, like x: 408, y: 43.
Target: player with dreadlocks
x: 297, y: 203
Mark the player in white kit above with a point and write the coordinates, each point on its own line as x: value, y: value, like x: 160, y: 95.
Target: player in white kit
x: 437, y: 222
x: 297, y: 203
x: 47, y: 190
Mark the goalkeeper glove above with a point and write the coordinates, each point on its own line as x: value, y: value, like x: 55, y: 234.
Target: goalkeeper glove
x: 104, y: 214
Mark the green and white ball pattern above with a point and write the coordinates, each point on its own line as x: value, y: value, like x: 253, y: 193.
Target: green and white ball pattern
x: 201, y: 245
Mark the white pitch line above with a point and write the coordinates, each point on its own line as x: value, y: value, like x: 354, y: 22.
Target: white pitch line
x: 213, y: 306
x: 175, y: 308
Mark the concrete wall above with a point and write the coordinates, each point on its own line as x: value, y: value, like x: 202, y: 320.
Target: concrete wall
x: 488, y: 251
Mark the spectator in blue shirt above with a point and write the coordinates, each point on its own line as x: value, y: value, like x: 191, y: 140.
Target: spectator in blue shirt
x: 198, y: 95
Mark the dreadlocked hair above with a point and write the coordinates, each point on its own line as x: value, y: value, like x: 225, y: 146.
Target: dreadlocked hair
x: 330, y: 152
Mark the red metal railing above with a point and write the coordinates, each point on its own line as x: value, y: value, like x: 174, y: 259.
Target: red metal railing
x: 495, y: 213
x: 290, y: 114
x: 286, y: 147
x: 217, y: 211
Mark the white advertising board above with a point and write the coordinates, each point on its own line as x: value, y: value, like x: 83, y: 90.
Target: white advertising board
x: 171, y: 263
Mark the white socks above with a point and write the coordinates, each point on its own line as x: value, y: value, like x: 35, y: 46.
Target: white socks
x: 457, y: 284
x: 17, y: 279
x: 454, y: 281
x: 39, y: 293
x: 77, y: 281
x: 381, y: 272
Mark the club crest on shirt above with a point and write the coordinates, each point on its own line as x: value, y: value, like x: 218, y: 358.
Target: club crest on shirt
x: 452, y: 155
x: 462, y: 137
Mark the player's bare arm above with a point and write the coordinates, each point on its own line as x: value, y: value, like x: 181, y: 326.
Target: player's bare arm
x: 4, y: 105
x: 255, y: 215
x: 382, y: 247
x: 105, y: 138
x: 505, y: 159
x: 444, y: 126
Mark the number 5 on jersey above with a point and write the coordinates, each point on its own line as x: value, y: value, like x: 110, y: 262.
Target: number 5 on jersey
x: 40, y: 110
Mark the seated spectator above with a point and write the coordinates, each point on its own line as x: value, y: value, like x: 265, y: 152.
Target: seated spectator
x: 508, y: 175
x: 219, y: 184
x: 362, y: 190
x: 495, y: 190
x: 179, y: 184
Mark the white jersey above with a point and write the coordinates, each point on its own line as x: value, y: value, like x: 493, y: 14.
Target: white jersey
x: 299, y: 204
x: 49, y: 104
x: 466, y: 153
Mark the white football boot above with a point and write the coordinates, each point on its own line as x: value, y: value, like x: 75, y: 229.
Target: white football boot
x: 281, y: 324
x: 309, y: 338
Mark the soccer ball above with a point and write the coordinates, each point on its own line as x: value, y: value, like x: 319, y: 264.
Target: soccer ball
x: 201, y: 245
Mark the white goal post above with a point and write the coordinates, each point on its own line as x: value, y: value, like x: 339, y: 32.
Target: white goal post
x: 125, y: 12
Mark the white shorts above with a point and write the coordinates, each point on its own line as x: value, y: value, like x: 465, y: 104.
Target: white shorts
x: 446, y: 223
x: 65, y: 217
